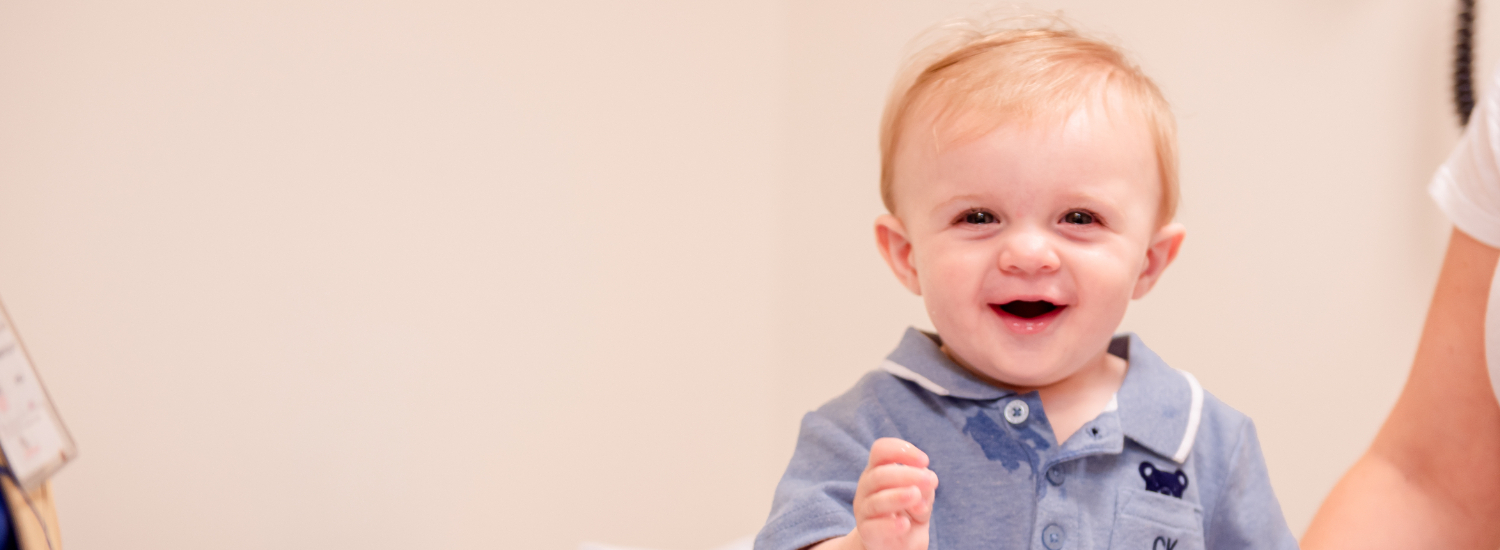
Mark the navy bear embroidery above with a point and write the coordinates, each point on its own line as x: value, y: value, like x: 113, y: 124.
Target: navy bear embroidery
x: 1161, y: 481
x: 1005, y: 445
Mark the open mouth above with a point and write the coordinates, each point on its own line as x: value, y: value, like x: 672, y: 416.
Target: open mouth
x: 1028, y: 317
x: 1028, y: 310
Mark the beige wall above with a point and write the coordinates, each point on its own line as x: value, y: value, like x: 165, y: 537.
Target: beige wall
x: 455, y: 274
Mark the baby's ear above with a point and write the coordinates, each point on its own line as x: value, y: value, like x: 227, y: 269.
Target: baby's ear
x: 895, y: 247
x: 1159, y: 254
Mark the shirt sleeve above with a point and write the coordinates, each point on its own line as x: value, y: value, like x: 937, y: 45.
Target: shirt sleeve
x: 1248, y: 514
x: 1467, y: 186
x: 815, y: 499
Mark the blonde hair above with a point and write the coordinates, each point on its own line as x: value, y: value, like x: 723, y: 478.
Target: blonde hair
x: 1020, y: 68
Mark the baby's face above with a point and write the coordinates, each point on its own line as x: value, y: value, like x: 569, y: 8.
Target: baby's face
x: 1027, y: 243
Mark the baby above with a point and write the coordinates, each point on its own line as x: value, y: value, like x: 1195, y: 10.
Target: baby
x: 1030, y: 177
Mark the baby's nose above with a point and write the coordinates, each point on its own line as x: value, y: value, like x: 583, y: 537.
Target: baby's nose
x: 1028, y: 253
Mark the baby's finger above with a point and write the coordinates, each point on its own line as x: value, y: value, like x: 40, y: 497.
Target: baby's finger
x: 895, y: 475
x: 889, y: 450
x: 923, y: 510
x: 920, y: 511
x: 920, y: 517
x: 888, y: 531
x: 887, y: 502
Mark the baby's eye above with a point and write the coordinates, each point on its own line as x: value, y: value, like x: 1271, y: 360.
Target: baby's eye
x: 1077, y: 217
x: 978, y: 217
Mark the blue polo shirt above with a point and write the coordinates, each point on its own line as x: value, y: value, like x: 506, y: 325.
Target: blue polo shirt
x: 1166, y: 466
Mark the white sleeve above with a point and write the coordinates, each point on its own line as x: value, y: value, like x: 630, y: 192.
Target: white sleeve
x: 1467, y: 186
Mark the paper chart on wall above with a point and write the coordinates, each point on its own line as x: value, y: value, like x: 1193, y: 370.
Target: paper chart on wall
x: 32, y: 436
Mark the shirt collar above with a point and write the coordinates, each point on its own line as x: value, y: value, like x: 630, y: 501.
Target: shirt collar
x: 1159, y: 407
x: 920, y: 359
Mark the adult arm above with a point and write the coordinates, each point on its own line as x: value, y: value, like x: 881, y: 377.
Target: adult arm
x: 1431, y: 479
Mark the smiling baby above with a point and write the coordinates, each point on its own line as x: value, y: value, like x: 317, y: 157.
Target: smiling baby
x: 1030, y: 178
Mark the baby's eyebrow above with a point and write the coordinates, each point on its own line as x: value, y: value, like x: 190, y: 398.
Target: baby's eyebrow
x: 1090, y: 198
x: 971, y: 198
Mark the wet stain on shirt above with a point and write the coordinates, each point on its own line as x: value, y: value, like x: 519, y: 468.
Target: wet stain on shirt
x: 1009, y: 446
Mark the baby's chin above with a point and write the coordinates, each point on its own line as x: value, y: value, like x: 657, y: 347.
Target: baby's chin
x: 1028, y: 380
x: 1020, y: 371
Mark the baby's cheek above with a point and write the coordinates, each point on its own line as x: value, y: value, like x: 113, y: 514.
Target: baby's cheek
x: 945, y: 307
x: 1110, y: 270
x: 1110, y: 299
x: 955, y: 311
x: 953, y: 273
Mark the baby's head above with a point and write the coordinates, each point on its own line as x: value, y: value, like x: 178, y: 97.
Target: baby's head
x: 1031, y: 179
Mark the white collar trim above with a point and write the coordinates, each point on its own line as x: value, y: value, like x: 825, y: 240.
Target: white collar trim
x: 908, y: 374
x: 1195, y: 415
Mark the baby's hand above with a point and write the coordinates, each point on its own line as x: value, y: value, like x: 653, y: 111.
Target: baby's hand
x: 893, y: 502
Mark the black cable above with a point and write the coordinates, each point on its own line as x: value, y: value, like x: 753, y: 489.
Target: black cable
x: 1463, y: 62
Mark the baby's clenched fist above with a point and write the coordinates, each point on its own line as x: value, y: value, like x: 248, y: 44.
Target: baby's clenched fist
x: 893, y: 503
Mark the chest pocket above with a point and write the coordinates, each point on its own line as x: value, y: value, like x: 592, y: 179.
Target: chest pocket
x: 1151, y: 521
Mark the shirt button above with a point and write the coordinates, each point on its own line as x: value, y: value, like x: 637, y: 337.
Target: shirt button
x: 1053, y: 537
x: 1016, y: 411
x: 1055, y: 475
